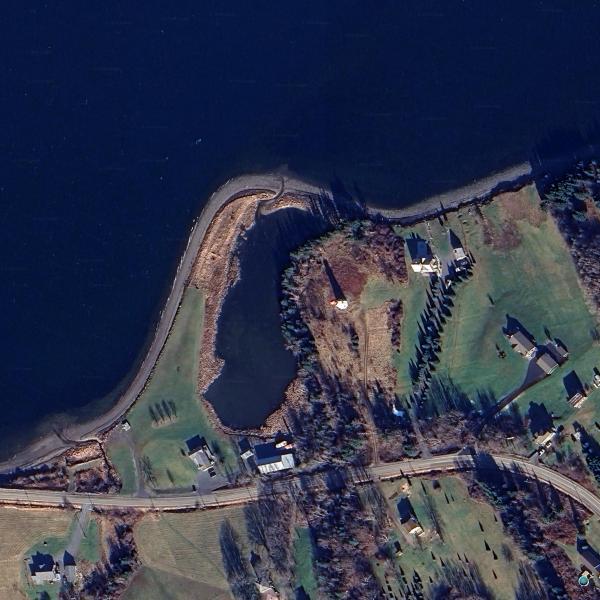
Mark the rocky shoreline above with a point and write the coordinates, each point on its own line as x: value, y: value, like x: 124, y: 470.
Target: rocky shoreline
x: 269, y: 192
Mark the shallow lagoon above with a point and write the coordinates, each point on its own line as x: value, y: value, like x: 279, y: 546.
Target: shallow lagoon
x: 257, y: 366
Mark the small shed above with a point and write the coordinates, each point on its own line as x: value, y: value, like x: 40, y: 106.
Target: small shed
x: 245, y: 448
x: 546, y: 363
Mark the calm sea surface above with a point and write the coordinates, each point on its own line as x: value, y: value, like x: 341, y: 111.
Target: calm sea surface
x: 117, y: 120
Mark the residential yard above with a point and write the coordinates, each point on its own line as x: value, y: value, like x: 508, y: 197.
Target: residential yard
x: 303, y: 560
x: 173, y: 384
x: 459, y: 516
x: 20, y: 530
x: 180, y: 552
x: 523, y: 269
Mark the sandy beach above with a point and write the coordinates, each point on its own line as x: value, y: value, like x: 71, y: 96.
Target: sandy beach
x: 269, y: 188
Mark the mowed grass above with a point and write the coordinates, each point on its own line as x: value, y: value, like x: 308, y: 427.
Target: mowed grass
x: 303, y: 560
x: 120, y: 456
x: 534, y: 282
x: 155, y: 584
x: 460, y: 517
x: 90, y: 549
x: 174, y: 380
x: 20, y: 530
x: 186, y: 545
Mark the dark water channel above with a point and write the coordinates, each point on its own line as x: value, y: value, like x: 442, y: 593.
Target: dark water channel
x: 257, y: 366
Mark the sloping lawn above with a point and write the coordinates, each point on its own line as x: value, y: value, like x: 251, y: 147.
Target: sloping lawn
x: 174, y: 383
x: 459, y: 516
x: 186, y: 545
x: 303, y: 559
x: 528, y: 274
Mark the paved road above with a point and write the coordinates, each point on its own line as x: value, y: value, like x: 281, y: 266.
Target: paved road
x: 249, y: 493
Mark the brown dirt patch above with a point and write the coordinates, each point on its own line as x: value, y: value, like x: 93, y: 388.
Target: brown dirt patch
x: 353, y: 342
x: 379, y: 350
x: 351, y: 280
x: 523, y: 205
x: 507, y: 236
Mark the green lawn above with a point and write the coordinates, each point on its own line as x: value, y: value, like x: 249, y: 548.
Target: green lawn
x: 155, y: 584
x: 534, y: 281
x: 303, y: 560
x: 90, y: 548
x: 186, y: 546
x: 460, y: 517
x: 174, y: 381
x: 54, y: 545
x: 120, y: 456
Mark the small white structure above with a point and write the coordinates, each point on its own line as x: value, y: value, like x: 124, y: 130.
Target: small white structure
x: 459, y: 254
x: 245, y: 449
x: 267, y: 592
x: 397, y: 409
x: 125, y: 425
x: 412, y: 527
x: 340, y: 304
x: 596, y: 380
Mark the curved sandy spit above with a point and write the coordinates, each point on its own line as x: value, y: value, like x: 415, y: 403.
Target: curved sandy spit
x: 53, y: 444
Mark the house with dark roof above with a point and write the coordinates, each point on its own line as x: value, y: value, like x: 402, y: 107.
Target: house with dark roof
x: 408, y: 519
x: 522, y: 343
x: 200, y: 453
x: 42, y: 569
x: 245, y: 448
x: 422, y: 260
x: 274, y: 456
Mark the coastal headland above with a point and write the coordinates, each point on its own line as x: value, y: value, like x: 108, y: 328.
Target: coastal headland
x: 209, y: 262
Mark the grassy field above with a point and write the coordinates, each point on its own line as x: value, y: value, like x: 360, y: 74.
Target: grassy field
x: 155, y: 584
x: 20, y: 530
x: 90, y: 549
x: 173, y: 381
x: 413, y: 297
x: 303, y: 560
x: 184, y: 546
x: 460, y: 517
x: 523, y: 269
x: 119, y: 454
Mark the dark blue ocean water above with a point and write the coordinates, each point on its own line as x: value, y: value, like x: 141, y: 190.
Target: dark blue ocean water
x: 117, y: 119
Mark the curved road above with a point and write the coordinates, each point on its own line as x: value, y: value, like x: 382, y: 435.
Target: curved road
x: 242, y: 495
x: 238, y: 187
x: 54, y: 443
